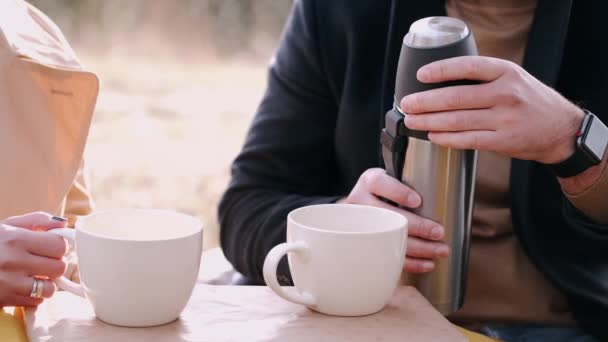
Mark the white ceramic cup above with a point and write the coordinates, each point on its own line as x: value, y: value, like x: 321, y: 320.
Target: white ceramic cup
x: 138, y: 267
x: 345, y: 260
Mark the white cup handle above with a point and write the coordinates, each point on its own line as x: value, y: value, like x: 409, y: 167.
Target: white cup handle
x: 63, y: 282
x: 270, y: 272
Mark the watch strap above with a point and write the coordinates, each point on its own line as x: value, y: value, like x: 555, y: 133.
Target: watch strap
x: 574, y: 165
x: 580, y: 160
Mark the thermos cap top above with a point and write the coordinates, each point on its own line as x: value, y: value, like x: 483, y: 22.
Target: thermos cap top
x: 435, y: 31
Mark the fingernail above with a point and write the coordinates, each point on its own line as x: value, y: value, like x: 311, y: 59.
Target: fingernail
x: 413, y: 200
x: 57, y: 218
x: 428, y: 266
x: 442, y: 251
x: 437, y: 233
x: 422, y: 74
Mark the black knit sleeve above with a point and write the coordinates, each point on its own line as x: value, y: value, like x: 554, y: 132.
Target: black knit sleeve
x: 288, y: 159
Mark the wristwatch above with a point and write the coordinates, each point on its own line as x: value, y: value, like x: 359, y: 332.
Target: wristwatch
x: 591, y: 144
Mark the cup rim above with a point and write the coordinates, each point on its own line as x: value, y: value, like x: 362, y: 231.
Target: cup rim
x: 78, y: 226
x: 403, y: 221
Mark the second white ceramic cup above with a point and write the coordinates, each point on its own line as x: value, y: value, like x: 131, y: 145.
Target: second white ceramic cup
x: 345, y: 260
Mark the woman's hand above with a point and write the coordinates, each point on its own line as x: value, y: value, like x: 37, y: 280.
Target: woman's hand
x: 27, y: 251
x: 424, y: 236
x: 511, y: 113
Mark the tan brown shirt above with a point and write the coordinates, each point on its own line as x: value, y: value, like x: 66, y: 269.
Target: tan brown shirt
x: 503, y: 285
x: 46, y: 105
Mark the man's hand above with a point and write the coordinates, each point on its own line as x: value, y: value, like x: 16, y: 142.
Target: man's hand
x: 511, y: 112
x: 424, y: 236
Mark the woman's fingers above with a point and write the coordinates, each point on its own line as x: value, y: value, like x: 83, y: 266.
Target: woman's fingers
x: 25, y: 301
x: 36, y: 221
x: 43, y: 244
x: 25, y: 284
x: 43, y: 266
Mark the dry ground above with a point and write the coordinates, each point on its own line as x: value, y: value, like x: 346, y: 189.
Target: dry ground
x: 164, y: 134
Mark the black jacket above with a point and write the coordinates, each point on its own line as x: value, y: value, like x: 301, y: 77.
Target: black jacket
x: 317, y: 129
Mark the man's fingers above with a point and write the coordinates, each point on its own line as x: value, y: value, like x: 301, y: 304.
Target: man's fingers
x: 456, y: 121
x: 414, y: 265
x: 379, y: 183
x: 473, y: 140
x: 417, y: 226
x: 422, y: 227
x: 477, y: 68
x: 425, y: 249
x: 449, y: 98
x: 26, y: 284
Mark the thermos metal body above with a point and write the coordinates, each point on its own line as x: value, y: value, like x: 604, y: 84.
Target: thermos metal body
x: 444, y: 177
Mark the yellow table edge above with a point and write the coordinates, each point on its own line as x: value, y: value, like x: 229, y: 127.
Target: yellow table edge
x: 12, y: 328
x: 475, y: 337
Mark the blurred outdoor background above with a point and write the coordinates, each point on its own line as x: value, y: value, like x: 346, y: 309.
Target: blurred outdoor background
x: 180, y: 81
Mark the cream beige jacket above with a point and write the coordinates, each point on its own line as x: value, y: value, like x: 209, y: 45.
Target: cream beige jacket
x: 47, y: 100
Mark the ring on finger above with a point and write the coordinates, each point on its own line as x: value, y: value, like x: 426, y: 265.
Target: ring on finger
x: 37, y: 288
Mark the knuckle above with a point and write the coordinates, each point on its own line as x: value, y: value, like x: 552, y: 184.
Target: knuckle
x: 356, y: 198
x: 454, y: 99
x: 427, y: 250
x: 50, y: 288
x: 512, y: 96
x: 401, y: 196
x: 415, y: 228
x: 14, y: 238
x: 42, y: 214
x: 502, y: 94
x: 505, y: 119
x: 412, y: 103
x: 513, y: 70
x: 472, y: 67
x: 461, y: 121
x: 9, y: 262
x: 60, y: 247
x: 372, y: 177
x: 441, y: 70
x: 475, y: 142
x: 416, y: 103
x: 39, y: 216
x: 510, y: 136
x: 425, y: 228
x: 56, y: 269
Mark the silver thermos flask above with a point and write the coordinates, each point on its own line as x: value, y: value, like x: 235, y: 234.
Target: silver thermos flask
x: 444, y: 177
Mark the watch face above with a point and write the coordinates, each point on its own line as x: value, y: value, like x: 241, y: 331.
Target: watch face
x: 596, y: 139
